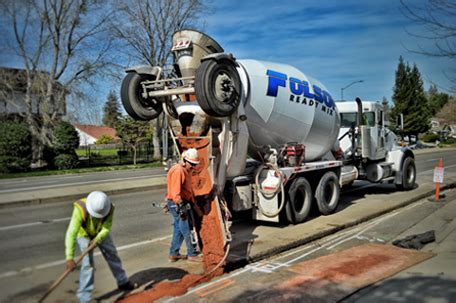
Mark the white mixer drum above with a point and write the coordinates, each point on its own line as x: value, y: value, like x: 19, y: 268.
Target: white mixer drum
x: 284, y: 105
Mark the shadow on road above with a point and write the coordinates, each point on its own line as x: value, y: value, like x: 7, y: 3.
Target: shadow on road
x: 146, y: 279
x: 359, y: 191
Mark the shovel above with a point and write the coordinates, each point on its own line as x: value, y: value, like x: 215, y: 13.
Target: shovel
x: 67, y: 271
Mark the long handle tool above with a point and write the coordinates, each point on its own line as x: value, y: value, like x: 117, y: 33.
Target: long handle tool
x: 67, y: 271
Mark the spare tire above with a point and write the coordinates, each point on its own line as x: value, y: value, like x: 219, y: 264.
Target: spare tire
x: 135, y: 104
x: 218, y: 87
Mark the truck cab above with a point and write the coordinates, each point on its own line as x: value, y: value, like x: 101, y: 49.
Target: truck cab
x: 368, y: 144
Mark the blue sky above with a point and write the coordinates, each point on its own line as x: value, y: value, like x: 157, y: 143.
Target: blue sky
x: 336, y: 42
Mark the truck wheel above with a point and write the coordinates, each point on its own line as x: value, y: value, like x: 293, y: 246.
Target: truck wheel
x: 327, y: 193
x: 218, y: 87
x: 408, y: 174
x: 136, y: 106
x: 299, y: 201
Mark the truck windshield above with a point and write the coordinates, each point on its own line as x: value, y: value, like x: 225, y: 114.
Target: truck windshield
x: 347, y: 119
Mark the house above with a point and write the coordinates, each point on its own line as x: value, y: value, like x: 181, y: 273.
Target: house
x: 13, y: 84
x: 89, y: 134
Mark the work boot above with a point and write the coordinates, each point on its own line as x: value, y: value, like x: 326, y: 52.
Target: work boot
x: 176, y: 258
x: 195, y: 259
x: 128, y: 286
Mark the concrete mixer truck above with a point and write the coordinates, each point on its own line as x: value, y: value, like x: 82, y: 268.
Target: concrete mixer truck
x: 272, y: 139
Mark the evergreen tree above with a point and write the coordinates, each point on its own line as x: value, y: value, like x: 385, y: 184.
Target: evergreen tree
x: 66, y: 140
x: 400, y: 89
x: 410, y: 100
x: 418, y: 119
x: 111, y: 110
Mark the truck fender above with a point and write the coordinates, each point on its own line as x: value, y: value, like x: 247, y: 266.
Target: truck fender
x: 220, y: 56
x: 145, y: 70
x: 397, y: 157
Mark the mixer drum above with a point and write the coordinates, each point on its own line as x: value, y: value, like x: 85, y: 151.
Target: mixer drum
x: 284, y: 105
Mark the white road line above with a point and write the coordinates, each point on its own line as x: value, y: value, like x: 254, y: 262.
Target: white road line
x: 60, y: 262
x: 3, y: 228
x: 430, y: 160
x: 76, y: 183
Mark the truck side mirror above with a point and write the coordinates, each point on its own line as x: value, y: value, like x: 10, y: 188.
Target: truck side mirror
x: 400, y: 122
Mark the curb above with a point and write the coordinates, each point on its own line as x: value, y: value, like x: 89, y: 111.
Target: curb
x: 235, y: 264
x: 155, y: 184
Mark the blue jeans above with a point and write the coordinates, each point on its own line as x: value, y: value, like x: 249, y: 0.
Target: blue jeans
x: 86, y: 276
x: 181, y: 232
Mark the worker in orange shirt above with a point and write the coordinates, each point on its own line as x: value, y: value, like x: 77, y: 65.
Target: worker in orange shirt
x: 179, y: 195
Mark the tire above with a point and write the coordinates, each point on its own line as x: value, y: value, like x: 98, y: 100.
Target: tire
x: 299, y: 201
x: 408, y: 174
x: 218, y: 87
x: 327, y: 193
x: 136, y: 106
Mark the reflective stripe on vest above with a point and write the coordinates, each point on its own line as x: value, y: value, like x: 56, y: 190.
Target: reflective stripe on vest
x: 81, y: 204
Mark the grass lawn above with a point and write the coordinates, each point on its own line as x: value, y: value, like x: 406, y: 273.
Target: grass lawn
x: 101, y: 152
x: 79, y: 170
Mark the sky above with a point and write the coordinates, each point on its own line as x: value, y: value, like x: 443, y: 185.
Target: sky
x: 336, y: 42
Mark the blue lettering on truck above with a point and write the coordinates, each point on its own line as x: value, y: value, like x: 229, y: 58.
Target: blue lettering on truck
x: 300, y: 91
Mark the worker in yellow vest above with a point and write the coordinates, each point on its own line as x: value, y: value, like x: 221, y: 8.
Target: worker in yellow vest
x: 91, y: 222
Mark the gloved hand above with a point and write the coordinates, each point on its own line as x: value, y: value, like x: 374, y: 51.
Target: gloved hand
x: 70, y: 265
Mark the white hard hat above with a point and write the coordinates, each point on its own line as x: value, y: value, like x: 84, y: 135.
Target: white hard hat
x: 98, y: 204
x: 191, y: 155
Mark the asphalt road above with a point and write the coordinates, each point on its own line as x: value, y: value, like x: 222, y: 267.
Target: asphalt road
x: 58, y: 181
x: 32, y: 238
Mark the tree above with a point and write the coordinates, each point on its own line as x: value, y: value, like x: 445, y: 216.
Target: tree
x: 132, y: 132
x: 418, y: 119
x: 400, y: 90
x: 104, y: 139
x: 448, y: 112
x: 60, y: 47
x: 146, y: 27
x: 437, y: 20
x: 15, y: 147
x: 111, y: 110
x: 66, y: 140
x: 436, y: 100
x: 410, y: 100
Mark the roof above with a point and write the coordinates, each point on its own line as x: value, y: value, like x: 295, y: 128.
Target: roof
x: 97, y: 131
